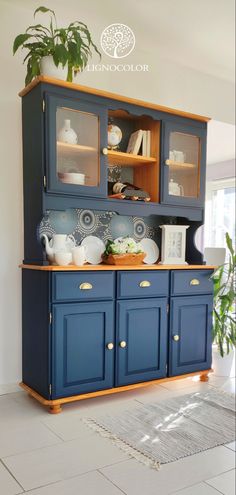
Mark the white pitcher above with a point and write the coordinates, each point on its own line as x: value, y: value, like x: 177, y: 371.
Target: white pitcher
x: 59, y: 242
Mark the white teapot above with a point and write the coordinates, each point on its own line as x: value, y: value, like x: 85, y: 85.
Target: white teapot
x: 58, y: 243
x: 175, y: 189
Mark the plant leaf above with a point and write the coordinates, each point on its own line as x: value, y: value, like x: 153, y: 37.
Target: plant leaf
x: 20, y: 40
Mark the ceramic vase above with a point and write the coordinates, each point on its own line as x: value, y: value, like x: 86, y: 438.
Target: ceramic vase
x: 48, y: 68
x: 67, y: 134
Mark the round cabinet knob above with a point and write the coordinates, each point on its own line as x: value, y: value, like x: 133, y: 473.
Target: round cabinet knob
x: 104, y: 151
x: 176, y: 338
x: 110, y: 346
x: 123, y: 344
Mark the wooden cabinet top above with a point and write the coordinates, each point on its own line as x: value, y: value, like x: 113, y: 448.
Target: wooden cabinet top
x: 113, y: 96
x: 71, y: 268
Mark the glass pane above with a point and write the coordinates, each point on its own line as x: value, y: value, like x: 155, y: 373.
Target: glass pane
x: 184, y: 164
x: 77, y: 147
x: 223, y: 216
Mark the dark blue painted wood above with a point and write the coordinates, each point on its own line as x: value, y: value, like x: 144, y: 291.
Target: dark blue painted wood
x: 80, y: 360
x: 126, y: 207
x: 181, y: 282
x: 54, y: 185
x: 166, y: 198
x: 66, y: 286
x: 36, y: 332
x: 128, y: 284
x: 142, y: 324
x: 117, y: 105
x: 191, y: 320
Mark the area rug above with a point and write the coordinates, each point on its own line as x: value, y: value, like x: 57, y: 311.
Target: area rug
x: 163, y: 432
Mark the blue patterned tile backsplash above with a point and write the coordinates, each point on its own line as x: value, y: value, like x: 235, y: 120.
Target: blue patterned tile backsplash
x: 103, y: 224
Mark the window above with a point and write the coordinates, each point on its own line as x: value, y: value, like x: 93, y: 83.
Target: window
x: 220, y: 212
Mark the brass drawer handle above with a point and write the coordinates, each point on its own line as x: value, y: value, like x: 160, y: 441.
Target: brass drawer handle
x: 110, y: 346
x: 145, y: 283
x: 85, y: 286
x: 176, y: 338
x: 123, y: 344
x: 194, y: 281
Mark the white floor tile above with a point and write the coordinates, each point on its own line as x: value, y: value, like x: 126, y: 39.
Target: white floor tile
x: 135, y: 479
x: 231, y: 445
x: 199, y: 489
x: 224, y: 483
x: 67, y: 428
x: 23, y: 436
x: 8, y: 486
x: 50, y: 464
x: 87, y: 484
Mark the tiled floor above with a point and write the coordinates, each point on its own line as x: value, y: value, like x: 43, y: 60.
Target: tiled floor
x: 42, y: 454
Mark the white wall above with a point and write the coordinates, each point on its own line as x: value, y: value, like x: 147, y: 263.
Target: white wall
x: 167, y: 83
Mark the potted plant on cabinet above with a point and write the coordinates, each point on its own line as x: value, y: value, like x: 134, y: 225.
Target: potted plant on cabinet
x: 55, y: 52
x: 224, y: 322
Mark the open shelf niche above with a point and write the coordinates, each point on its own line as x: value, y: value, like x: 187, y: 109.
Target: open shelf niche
x: 143, y: 171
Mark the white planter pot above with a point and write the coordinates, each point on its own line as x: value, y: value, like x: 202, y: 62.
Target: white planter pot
x: 48, y: 68
x: 223, y: 366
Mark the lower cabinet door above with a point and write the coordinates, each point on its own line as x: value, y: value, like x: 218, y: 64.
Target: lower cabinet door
x: 190, y: 334
x: 141, y: 340
x: 81, y: 359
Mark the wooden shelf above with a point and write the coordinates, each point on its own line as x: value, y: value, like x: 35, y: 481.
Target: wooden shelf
x: 128, y: 159
x: 75, y: 148
x: 103, y: 267
x: 180, y: 165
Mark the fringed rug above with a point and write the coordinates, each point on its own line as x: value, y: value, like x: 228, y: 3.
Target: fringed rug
x: 169, y: 430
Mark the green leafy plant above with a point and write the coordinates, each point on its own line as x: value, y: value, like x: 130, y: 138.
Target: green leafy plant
x: 224, y: 322
x: 72, y: 45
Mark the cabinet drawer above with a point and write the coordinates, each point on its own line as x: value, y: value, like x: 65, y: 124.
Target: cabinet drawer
x: 189, y: 282
x: 142, y: 284
x: 82, y: 286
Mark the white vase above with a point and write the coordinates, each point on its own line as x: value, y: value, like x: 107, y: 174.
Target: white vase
x: 223, y: 366
x: 48, y: 68
x: 67, y: 134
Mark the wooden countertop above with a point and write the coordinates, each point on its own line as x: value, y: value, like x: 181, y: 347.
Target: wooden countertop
x: 113, y: 96
x: 102, y: 267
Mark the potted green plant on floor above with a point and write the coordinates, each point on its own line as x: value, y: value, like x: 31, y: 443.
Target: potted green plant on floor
x: 224, y: 321
x: 55, y: 52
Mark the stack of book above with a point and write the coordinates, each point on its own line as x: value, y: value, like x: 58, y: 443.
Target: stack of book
x: 140, y: 143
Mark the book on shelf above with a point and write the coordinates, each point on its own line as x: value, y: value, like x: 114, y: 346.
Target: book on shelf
x: 139, y: 142
x: 135, y: 142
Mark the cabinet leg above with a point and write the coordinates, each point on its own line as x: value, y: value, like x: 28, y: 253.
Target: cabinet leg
x: 55, y: 409
x: 204, y: 377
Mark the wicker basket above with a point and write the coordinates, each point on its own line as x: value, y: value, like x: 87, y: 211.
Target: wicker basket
x: 124, y: 259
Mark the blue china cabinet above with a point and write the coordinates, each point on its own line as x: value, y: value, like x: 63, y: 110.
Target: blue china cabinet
x: 93, y: 330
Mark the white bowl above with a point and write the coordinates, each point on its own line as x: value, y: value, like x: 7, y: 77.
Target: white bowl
x: 72, y: 178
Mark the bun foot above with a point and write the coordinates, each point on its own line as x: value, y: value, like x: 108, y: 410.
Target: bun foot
x: 204, y: 377
x: 55, y: 409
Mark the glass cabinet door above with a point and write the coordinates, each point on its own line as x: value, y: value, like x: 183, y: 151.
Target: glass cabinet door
x: 74, y: 134
x: 184, y: 165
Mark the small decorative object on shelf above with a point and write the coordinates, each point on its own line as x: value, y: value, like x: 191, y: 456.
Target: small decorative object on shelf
x: 123, y: 251
x: 173, y: 244
x: 114, y: 136
x: 119, y: 190
x: 59, y: 244
x: 66, y: 134
x: 175, y: 189
x: 135, y: 142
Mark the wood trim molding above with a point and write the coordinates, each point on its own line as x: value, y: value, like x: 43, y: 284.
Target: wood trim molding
x: 113, y: 96
x: 71, y: 268
x: 55, y: 405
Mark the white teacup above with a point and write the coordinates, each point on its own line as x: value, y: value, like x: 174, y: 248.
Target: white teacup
x: 78, y: 254
x: 63, y: 258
